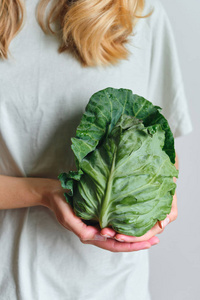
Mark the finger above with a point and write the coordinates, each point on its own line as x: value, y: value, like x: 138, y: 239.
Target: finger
x: 172, y: 216
x: 133, y: 239
x: 154, y: 240
x: 115, y: 246
x: 108, y: 232
x: 162, y: 224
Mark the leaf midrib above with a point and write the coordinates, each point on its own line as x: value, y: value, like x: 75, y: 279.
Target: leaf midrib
x: 103, y: 218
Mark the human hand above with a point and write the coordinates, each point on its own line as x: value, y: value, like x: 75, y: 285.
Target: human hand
x: 91, y: 234
x: 156, y: 229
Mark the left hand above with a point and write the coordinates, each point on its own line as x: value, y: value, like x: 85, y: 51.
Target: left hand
x: 156, y: 229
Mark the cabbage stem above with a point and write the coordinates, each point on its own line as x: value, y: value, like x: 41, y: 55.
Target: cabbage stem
x: 103, y: 219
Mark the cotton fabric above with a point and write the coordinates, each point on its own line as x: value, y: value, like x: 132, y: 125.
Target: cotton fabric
x: 42, y: 97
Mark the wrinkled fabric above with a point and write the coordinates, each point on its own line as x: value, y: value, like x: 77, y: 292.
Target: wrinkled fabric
x: 42, y: 97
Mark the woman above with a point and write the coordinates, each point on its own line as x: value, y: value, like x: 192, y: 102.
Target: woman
x: 42, y: 97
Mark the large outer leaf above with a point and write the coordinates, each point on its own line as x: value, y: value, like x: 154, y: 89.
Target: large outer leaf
x: 128, y: 180
x: 103, y: 112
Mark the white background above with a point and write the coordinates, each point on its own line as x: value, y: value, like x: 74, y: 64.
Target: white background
x: 175, y: 261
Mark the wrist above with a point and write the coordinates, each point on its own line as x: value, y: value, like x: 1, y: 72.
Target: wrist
x: 49, y: 190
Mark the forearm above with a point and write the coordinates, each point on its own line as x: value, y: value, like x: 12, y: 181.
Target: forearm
x: 18, y: 192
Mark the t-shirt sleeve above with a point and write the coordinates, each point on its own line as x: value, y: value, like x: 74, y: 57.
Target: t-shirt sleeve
x: 165, y: 79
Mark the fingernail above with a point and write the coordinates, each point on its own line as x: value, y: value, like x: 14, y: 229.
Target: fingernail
x: 106, y: 236
x: 99, y: 237
x: 119, y: 240
x: 165, y: 222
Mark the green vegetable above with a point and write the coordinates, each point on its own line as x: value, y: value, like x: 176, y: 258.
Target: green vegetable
x: 125, y: 156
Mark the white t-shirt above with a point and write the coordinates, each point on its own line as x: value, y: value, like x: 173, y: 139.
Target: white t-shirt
x: 42, y: 97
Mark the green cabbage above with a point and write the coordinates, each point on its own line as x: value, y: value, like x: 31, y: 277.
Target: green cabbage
x: 124, y: 151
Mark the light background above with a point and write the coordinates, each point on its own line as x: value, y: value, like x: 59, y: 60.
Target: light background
x: 175, y: 262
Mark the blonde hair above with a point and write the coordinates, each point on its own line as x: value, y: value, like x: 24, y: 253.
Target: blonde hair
x: 11, y: 19
x: 95, y: 31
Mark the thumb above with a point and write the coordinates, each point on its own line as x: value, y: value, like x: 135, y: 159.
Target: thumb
x: 162, y: 224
